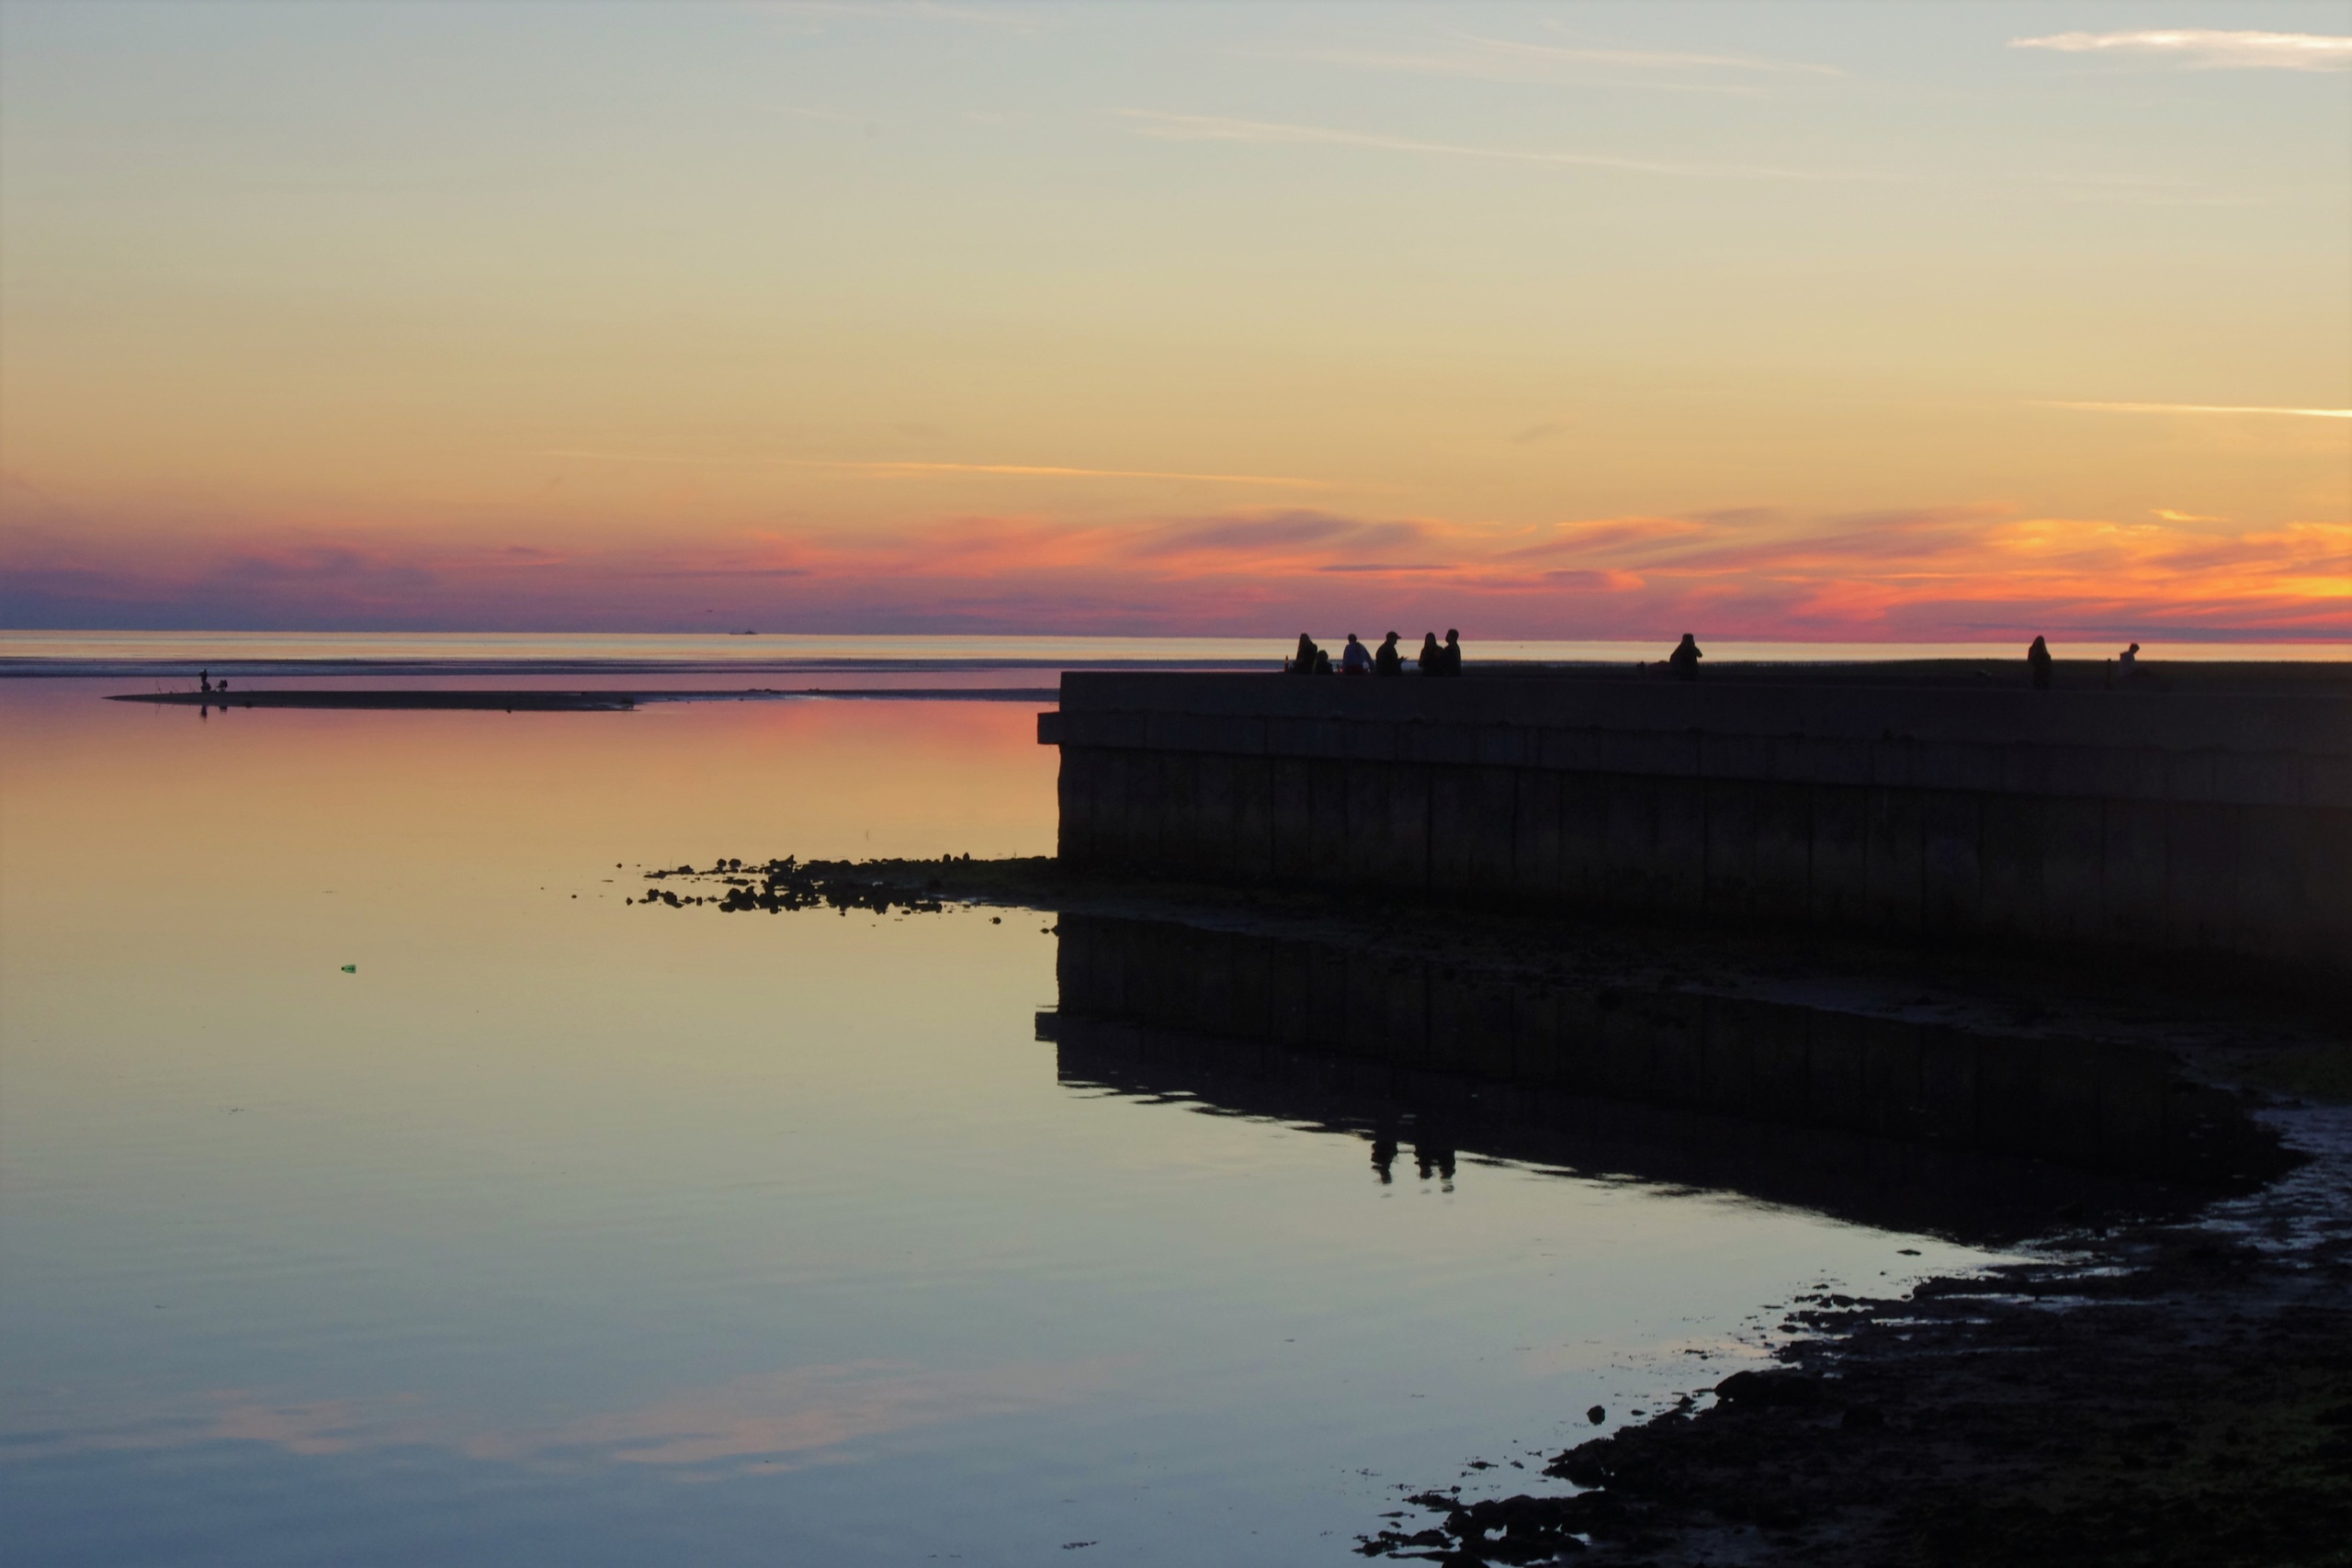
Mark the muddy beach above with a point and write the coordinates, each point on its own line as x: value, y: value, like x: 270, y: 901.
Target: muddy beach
x: 2164, y: 1374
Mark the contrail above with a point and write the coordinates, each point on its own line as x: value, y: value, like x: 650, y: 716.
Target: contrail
x: 2197, y: 408
x: 1041, y: 470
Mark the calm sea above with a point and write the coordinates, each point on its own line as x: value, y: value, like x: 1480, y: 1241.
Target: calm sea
x: 378, y: 1185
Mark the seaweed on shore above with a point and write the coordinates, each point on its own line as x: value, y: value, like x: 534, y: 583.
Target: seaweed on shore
x: 883, y: 887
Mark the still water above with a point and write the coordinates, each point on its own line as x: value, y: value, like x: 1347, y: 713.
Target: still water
x: 560, y: 1230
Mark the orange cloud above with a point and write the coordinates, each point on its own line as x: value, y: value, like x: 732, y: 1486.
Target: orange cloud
x: 1908, y: 573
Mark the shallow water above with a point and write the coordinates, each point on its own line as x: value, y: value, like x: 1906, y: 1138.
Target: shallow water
x: 565, y: 1231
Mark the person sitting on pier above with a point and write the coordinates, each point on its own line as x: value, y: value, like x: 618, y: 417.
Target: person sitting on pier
x: 1355, y: 659
x: 1303, y: 662
x: 1431, y: 660
x: 1387, y: 660
x: 2129, y: 660
x: 2037, y: 664
x: 1683, y: 663
x: 1453, y: 651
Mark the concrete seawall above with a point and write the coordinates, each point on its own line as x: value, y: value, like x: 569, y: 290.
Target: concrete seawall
x: 2192, y: 822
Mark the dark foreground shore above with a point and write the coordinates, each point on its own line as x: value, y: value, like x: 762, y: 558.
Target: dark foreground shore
x: 2168, y: 1396
x: 2175, y: 1389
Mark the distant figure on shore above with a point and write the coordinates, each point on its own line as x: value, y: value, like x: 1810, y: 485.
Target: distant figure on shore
x: 1387, y: 660
x: 1683, y: 663
x: 2129, y: 660
x: 1303, y: 662
x: 2037, y: 664
x: 1431, y: 659
x: 221, y: 684
x: 1355, y: 659
x: 204, y: 679
x: 1453, y: 651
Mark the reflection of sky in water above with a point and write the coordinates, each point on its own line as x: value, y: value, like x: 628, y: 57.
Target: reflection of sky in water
x: 477, y: 1253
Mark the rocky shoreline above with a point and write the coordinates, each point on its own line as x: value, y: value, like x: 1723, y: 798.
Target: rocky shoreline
x: 2175, y: 1395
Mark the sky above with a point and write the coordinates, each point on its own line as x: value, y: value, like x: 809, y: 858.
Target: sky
x: 1811, y: 321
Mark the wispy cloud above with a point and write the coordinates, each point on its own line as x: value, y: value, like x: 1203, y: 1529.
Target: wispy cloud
x: 2209, y: 49
x: 996, y: 17
x: 2197, y: 408
x: 1219, y: 128
x: 1034, y: 470
x: 1509, y: 60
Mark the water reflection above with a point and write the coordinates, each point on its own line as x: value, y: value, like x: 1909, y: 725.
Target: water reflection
x: 763, y: 1423
x: 1898, y: 1124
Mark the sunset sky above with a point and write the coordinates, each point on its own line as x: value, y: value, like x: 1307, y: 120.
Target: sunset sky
x: 1808, y: 321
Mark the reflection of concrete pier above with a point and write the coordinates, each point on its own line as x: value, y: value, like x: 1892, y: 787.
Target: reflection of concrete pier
x: 1915, y: 1125
x: 2193, y: 821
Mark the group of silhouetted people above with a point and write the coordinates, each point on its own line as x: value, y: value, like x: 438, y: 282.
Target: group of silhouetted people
x: 1435, y: 658
x: 1682, y: 664
x: 2040, y: 667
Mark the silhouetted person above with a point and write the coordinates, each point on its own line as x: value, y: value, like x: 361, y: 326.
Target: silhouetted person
x: 1452, y: 652
x: 1431, y: 660
x: 1302, y: 663
x: 204, y: 679
x: 2037, y: 664
x: 1355, y: 659
x: 2129, y: 661
x: 1322, y: 662
x: 1684, y: 660
x: 1387, y: 660
x: 223, y: 685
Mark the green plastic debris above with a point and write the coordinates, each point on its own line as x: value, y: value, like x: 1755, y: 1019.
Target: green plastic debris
x: 351, y: 968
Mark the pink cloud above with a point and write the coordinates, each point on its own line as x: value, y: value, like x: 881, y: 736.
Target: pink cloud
x: 1897, y: 573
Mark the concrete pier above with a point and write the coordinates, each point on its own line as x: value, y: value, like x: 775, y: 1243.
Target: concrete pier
x: 2198, y: 822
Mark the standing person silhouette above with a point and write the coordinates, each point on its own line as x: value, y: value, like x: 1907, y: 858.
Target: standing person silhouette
x: 2037, y: 664
x: 1453, y: 651
x: 1431, y: 660
x: 1304, y: 663
x: 2129, y: 659
x: 204, y: 679
x: 1355, y: 659
x: 1684, y: 660
x: 1386, y: 660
